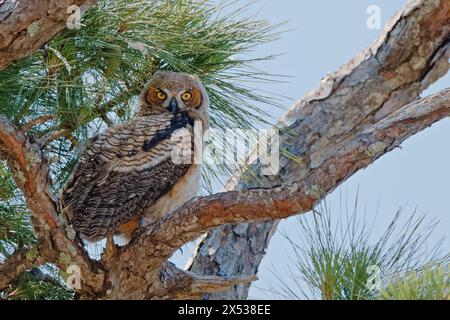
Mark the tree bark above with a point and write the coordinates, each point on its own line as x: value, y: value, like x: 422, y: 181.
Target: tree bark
x: 136, y: 270
x: 352, y: 119
x: 27, y: 25
x: 412, y: 52
x: 140, y: 270
x: 57, y: 242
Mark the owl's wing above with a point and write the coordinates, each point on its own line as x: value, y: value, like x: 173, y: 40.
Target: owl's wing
x: 123, y: 171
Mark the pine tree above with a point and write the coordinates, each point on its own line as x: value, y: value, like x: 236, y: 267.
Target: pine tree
x: 89, y: 78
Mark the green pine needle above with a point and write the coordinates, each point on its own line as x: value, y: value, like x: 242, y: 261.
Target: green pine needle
x: 90, y: 78
x: 337, y: 259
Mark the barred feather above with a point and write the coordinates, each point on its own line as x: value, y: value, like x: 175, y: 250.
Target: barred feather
x: 127, y: 171
x: 118, y: 177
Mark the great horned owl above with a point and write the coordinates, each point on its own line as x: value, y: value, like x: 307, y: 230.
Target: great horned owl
x: 127, y: 175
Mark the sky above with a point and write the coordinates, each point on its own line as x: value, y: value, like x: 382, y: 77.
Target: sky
x: 323, y: 35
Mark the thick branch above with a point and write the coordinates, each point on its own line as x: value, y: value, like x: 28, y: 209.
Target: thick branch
x: 29, y: 171
x: 410, y: 54
x: 182, y: 284
x: 18, y: 262
x: 57, y: 239
x: 27, y: 25
x: 327, y: 131
x: 200, y: 215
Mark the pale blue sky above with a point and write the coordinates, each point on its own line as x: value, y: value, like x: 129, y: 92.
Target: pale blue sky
x: 326, y: 34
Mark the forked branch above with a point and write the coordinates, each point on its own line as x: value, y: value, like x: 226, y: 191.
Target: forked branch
x: 57, y: 242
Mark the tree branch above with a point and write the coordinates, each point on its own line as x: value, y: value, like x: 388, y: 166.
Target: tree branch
x: 53, y: 135
x: 27, y: 25
x: 156, y: 243
x: 202, y: 214
x: 40, y: 120
x: 347, y: 123
x: 410, y: 54
x: 20, y: 261
x: 58, y: 243
x: 182, y: 284
x: 25, y: 161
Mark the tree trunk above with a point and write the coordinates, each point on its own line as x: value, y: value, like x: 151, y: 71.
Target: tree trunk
x: 26, y: 25
x: 356, y: 115
x: 411, y: 53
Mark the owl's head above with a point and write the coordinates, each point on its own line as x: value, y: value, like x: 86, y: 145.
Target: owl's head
x: 173, y: 92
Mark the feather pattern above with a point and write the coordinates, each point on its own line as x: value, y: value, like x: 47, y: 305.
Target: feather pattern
x: 123, y: 172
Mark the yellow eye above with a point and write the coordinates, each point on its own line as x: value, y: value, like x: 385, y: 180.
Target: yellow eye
x: 186, y: 96
x: 161, y: 95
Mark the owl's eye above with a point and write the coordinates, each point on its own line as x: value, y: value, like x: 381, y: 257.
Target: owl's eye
x: 161, y: 95
x: 186, y: 96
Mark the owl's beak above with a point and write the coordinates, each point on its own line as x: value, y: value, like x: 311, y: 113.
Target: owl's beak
x: 173, y: 105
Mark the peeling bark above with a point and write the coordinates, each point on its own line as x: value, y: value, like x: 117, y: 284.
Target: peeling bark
x: 57, y: 243
x: 136, y: 270
x: 412, y: 52
x: 182, y: 284
x: 26, y: 25
x: 18, y: 262
x: 352, y: 119
x: 140, y: 270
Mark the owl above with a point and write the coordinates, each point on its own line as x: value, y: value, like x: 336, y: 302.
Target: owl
x: 136, y: 172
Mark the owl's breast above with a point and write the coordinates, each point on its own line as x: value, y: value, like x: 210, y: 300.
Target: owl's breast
x: 187, y: 187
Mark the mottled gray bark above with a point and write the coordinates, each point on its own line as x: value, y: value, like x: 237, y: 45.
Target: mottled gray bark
x: 411, y: 53
x: 26, y: 25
